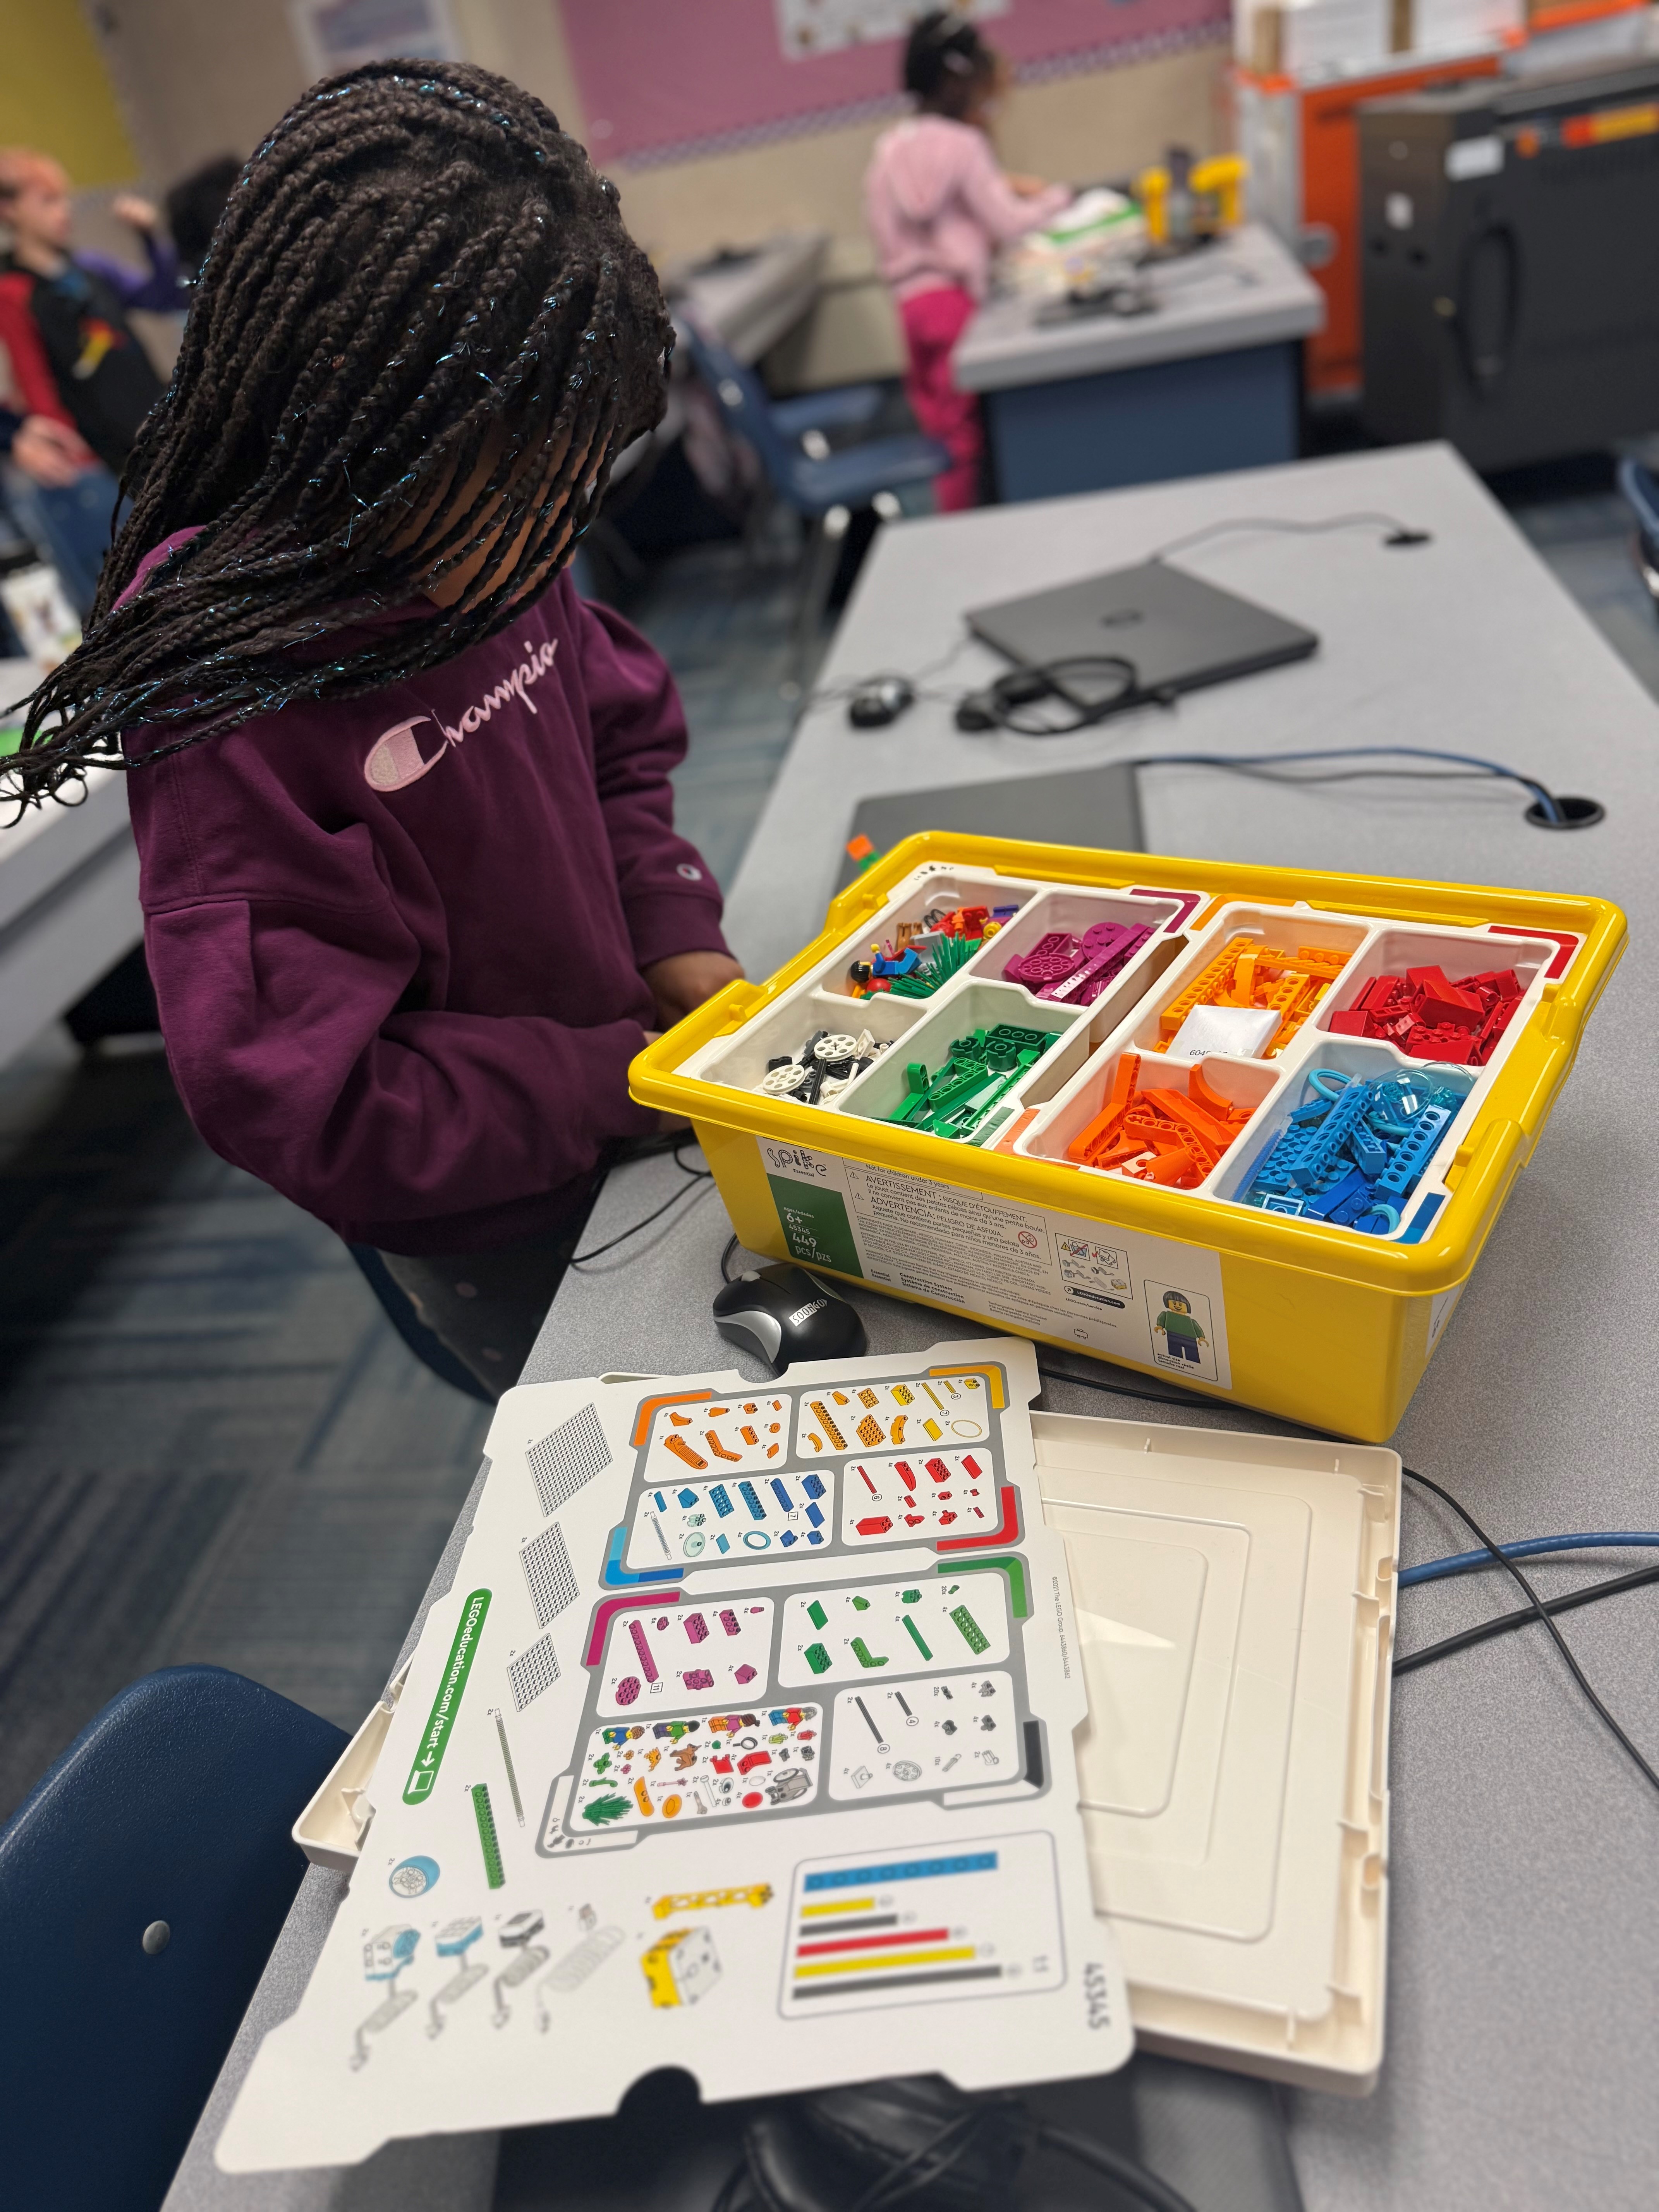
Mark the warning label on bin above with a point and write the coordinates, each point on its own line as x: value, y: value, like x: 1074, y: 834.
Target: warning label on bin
x: 1137, y: 1297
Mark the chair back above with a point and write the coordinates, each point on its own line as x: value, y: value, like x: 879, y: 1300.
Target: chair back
x: 171, y: 1811
x: 743, y: 399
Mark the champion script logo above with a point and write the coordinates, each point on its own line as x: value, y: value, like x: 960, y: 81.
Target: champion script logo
x: 394, y: 760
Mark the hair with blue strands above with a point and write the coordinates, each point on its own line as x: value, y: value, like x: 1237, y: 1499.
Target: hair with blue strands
x: 421, y: 331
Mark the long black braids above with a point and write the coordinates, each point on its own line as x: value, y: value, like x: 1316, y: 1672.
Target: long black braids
x: 421, y: 331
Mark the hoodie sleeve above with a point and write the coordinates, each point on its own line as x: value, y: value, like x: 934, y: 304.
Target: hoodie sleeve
x: 992, y: 201
x: 670, y: 899
x: 292, y: 1035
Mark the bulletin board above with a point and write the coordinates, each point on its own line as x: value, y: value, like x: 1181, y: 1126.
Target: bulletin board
x: 670, y: 80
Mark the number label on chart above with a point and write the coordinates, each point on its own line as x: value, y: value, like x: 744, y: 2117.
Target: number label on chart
x: 861, y: 1632
x: 653, y: 1773
x: 951, y: 1734
x: 686, y: 1654
x: 920, y: 1415
x: 730, y: 1519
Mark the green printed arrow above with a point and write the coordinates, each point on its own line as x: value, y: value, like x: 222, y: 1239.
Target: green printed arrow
x: 441, y: 1722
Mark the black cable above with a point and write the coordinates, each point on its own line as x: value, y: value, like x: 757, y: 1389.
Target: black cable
x: 726, y: 1259
x: 1400, y: 533
x: 1522, y: 1617
x: 675, y: 1145
x: 1124, y: 2173
x: 1650, y: 1774
x: 1535, y: 1608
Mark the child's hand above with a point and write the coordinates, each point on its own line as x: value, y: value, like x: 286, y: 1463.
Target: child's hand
x: 1027, y: 187
x: 138, y: 214
x: 681, y: 982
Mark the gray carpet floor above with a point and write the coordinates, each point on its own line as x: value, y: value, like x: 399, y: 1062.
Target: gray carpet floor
x: 213, y: 1446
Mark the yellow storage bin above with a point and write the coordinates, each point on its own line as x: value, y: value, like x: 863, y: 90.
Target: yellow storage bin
x: 1260, y: 1303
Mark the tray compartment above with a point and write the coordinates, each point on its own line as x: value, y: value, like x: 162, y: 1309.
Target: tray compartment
x: 882, y: 1088
x: 1277, y: 931
x: 1457, y: 954
x: 1244, y: 1085
x: 740, y: 1061
x: 1368, y: 1062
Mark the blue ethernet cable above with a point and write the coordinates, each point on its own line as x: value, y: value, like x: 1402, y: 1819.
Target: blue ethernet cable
x: 1532, y: 1548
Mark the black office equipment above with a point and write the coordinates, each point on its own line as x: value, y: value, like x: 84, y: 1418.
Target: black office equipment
x: 1176, y: 632
x: 1510, y: 236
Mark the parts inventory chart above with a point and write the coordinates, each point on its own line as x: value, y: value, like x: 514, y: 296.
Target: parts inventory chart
x: 908, y: 1929
x: 711, y: 1731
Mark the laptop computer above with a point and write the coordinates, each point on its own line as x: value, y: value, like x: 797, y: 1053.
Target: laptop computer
x: 1096, y: 807
x: 1177, y: 632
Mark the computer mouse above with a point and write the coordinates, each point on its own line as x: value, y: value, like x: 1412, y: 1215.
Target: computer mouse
x: 874, y: 706
x: 782, y: 1314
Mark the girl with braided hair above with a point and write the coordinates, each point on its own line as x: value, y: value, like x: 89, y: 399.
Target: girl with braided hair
x: 413, y: 898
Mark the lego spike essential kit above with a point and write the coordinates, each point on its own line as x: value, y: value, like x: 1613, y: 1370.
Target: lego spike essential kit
x: 849, y: 1725
x: 1245, y: 1127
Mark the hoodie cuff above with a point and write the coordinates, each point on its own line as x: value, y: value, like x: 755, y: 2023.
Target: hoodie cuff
x: 662, y: 923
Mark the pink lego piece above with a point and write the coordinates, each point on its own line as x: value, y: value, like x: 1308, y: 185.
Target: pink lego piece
x: 698, y: 1678
x: 695, y: 1627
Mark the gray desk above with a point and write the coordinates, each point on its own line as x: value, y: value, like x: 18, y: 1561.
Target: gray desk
x: 1523, y: 2035
x: 69, y: 895
x: 749, y: 304
x: 1209, y: 379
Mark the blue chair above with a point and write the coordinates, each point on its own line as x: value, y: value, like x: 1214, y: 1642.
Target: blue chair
x: 142, y: 1885
x: 1640, y: 487
x: 825, y: 485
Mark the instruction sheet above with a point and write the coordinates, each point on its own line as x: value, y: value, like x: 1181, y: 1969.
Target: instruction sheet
x: 741, y: 1743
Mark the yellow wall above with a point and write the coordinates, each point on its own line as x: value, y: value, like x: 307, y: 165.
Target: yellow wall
x: 55, y: 93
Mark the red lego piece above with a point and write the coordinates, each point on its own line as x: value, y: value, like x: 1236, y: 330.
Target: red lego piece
x: 877, y: 1526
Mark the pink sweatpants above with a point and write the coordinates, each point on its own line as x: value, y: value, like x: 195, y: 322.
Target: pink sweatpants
x: 934, y: 321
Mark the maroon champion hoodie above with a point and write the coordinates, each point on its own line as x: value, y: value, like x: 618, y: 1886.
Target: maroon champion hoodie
x: 396, y: 940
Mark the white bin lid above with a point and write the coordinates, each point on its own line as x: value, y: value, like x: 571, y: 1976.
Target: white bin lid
x: 1234, y: 1596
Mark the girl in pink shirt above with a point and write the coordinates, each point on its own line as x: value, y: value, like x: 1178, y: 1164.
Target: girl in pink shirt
x: 939, y: 205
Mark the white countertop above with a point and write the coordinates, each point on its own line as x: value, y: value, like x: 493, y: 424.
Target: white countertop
x: 1246, y: 291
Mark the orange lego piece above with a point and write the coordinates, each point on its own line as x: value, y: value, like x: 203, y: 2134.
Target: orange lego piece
x: 718, y: 1448
x: 1163, y: 1135
x: 1247, y: 974
x: 681, y: 1449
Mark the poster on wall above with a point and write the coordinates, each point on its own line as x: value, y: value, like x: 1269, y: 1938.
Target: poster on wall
x: 809, y: 27
x: 338, y: 34
x: 662, y: 81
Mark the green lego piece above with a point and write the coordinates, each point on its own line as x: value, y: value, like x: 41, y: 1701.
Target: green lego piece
x: 603, y: 1810
x: 974, y: 1635
x: 818, y: 1658
x: 495, y: 1872
x: 915, y: 1633
x: 817, y: 1615
x: 860, y: 1605
x: 865, y: 1656
x: 911, y: 1597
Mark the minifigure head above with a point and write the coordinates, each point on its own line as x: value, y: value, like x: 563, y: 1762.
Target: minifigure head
x: 1176, y: 1302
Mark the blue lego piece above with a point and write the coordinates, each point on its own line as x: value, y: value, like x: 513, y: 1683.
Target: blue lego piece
x: 787, y: 1538
x: 813, y: 1485
x: 815, y: 1515
x: 686, y: 1497
x: 782, y: 1495
x: 814, y: 1536
x: 720, y: 1499
x: 751, y: 1497
x: 722, y: 1543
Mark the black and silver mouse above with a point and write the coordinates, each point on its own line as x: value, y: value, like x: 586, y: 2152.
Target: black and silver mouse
x: 782, y: 1315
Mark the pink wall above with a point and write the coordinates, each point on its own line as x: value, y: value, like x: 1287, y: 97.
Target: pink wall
x: 679, y: 74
